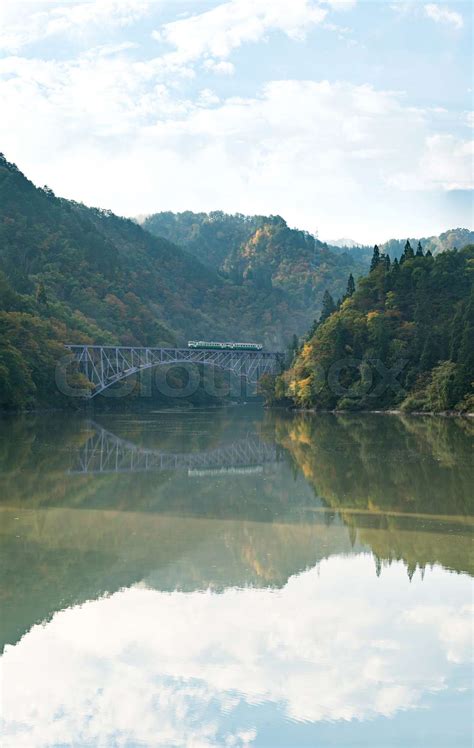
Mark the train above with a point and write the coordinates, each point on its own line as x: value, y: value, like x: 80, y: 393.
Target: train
x: 225, y: 346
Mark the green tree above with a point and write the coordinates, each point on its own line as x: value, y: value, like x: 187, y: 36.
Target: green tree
x: 408, y: 251
x: 328, y: 306
x: 441, y: 391
x: 293, y: 349
x: 312, y: 329
x: 375, y: 258
x: 41, y: 296
x: 465, y: 355
x: 429, y: 354
x: 266, y: 388
x: 350, y: 286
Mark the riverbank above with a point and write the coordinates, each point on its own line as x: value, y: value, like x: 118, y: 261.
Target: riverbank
x: 392, y: 412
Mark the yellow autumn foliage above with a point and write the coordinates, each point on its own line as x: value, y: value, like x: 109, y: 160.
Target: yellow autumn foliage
x: 372, y: 315
x: 307, y: 351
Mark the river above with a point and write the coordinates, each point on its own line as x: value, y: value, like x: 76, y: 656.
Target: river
x: 236, y: 577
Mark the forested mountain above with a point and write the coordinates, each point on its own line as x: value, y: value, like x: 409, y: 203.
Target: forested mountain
x: 77, y: 274
x: 211, y: 237
x: 404, y: 338
x: 452, y: 239
x: 69, y: 273
x: 394, y: 248
x: 261, y: 251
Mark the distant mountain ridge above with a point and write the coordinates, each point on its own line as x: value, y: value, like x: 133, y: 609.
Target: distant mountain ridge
x: 348, y: 243
x: 262, y: 251
x: 450, y: 239
x: 222, y: 241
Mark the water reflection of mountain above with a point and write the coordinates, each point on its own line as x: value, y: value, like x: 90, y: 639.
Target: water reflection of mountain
x: 403, y: 486
x: 398, y: 488
x: 382, y: 463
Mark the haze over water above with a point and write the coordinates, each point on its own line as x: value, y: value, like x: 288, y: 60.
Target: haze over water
x: 235, y: 577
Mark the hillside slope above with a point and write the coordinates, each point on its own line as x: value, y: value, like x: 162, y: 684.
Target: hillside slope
x: 404, y: 338
x: 264, y: 252
x: 77, y: 274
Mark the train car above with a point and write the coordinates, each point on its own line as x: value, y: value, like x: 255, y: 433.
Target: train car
x: 224, y: 346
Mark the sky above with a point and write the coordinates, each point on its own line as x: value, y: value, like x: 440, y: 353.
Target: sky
x: 348, y: 118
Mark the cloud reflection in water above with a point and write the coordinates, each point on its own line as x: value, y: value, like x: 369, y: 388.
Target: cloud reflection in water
x: 145, y: 667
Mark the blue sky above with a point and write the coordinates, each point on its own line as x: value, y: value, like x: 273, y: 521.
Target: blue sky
x: 348, y: 118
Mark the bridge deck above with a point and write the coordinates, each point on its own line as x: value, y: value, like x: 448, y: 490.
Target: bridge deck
x: 104, y: 365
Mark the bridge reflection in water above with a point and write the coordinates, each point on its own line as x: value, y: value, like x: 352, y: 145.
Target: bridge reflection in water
x: 105, y: 452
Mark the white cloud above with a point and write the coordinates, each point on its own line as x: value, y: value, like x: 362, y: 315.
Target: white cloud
x: 22, y: 23
x: 223, y: 67
x: 443, y: 15
x: 152, y: 668
x: 402, y: 7
x: 445, y: 163
x: 207, y: 97
x: 341, y: 4
x: 217, y: 32
x: 448, y: 163
x: 333, y: 143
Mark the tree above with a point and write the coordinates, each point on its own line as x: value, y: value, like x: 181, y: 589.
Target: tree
x: 375, y: 258
x: 41, y: 296
x: 429, y: 354
x: 312, y: 329
x: 441, y: 391
x: 328, y: 306
x: 48, y: 191
x: 350, y: 286
x: 408, y: 252
x: 466, y: 350
x: 428, y: 253
x: 266, y: 388
x: 293, y: 349
x: 419, y: 250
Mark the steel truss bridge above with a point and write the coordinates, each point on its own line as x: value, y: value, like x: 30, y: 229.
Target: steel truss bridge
x: 105, y: 365
x: 105, y: 452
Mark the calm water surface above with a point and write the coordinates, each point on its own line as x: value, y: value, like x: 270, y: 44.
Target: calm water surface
x: 230, y: 578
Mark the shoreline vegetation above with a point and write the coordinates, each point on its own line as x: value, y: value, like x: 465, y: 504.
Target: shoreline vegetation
x: 402, y: 340
x: 387, y: 412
